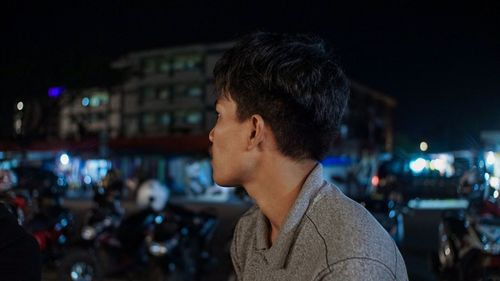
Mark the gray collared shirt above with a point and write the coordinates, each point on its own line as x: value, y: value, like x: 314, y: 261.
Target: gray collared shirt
x: 325, y: 236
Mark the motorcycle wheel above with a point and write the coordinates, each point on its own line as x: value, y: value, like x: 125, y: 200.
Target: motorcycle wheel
x: 79, y: 266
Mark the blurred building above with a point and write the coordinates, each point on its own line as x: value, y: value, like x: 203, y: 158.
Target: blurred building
x: 166, y: 100
x: 158, y: 118
x: 169, y: 91
x: 369, y: 120
x: 90, y: 112
x: 35, y: 119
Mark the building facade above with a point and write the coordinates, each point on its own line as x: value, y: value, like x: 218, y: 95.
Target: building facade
x: 169, y: 92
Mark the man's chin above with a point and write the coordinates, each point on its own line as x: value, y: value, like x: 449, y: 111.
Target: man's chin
x: 224, y: 183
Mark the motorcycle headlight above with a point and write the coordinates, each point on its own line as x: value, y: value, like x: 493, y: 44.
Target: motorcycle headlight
x: 157, y: 249
x: 88, y: 233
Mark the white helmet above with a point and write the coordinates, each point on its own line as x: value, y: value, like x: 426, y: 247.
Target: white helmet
x: 154, y: 194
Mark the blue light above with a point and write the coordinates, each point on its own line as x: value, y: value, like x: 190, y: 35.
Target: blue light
x: 62, y: 239
x: 158, y: 219
x: 391, y: 204
x: 184, y: 231
x: 87, y: 180
x: 64, y: 222
x: 336, y: 161
x: 392, y: 214
x: 55, y: 92
x: 85, y: 101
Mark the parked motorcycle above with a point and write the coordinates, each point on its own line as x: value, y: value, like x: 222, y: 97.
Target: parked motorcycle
x: 180, y: 246
x: 469, y: 244
x: 116, y: 252
x: 17, y: 203
x: 52, y: 226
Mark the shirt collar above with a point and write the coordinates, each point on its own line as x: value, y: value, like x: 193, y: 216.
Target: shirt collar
x: 276, y: 255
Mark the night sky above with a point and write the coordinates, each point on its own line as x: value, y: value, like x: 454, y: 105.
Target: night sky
x: 440, y: 61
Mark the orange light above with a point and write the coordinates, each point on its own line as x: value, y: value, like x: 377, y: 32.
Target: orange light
x: 375, y: 180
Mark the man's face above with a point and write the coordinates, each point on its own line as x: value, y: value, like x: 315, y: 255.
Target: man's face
x: 228, y: 140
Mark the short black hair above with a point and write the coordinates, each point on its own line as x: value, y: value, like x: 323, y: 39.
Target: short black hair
x: 293, y: 82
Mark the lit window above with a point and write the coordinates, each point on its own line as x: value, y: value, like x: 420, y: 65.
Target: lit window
x: 180, y: 90
x: 149, y: 66
x: 148, y: 94
x: 97, y: 99
x: 195, y: 91
x: 94, y: 101
x: 187, y: 62
x: 163, y: 93
x: 165, y: 119
x: 193, y: 61
x: 148, y: 119
x: 165, y: 65
x: 132, y: 126
x: 193, y: 118
x: 179, y: 63
x: 188, y: 117
x: 183, y: 91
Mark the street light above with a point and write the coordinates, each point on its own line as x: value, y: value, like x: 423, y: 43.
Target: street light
x: 490, y: 158
x: 418, y: 165
x: 64, y: 159
x: 424, y: 146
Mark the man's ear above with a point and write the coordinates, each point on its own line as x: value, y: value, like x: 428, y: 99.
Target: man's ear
x: 257, y: 132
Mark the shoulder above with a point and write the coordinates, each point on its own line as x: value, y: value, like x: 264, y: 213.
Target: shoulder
x: 348, y: 232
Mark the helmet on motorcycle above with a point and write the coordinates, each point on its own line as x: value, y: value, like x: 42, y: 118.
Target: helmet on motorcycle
x: 152, y: 194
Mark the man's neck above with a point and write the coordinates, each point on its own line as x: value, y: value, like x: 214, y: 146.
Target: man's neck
x: 275, y: 187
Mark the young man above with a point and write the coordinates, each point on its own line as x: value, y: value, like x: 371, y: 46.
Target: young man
x: 280, y: 103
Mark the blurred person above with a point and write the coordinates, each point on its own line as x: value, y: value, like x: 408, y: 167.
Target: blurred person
x: 19, y: 252
x: 280, y: 100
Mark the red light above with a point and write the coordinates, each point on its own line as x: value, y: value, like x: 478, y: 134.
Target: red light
x: 375, y: 180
